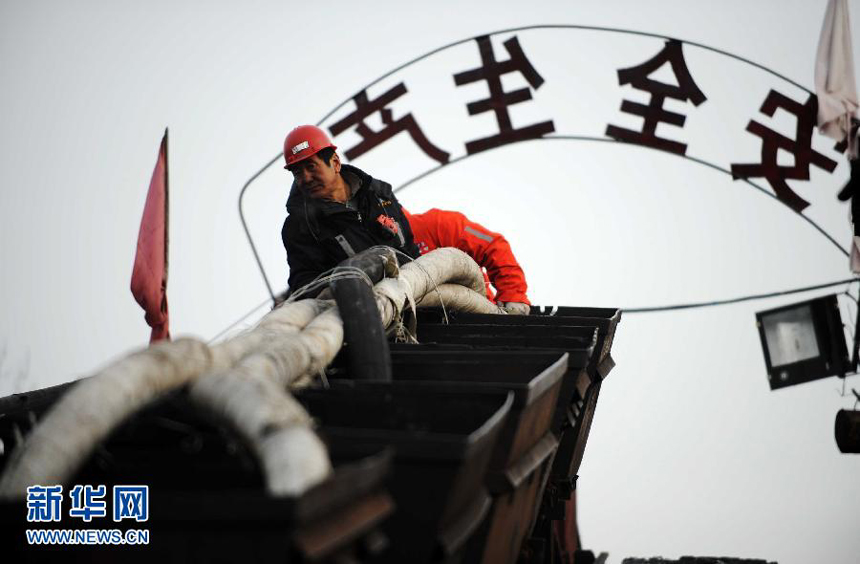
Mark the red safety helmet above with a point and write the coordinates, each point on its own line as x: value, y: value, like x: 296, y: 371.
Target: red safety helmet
x: 303, y: 142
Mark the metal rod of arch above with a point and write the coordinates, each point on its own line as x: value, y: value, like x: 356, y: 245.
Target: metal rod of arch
x: 498, y: 32
x: 815, y: 225
x: 248, y: 232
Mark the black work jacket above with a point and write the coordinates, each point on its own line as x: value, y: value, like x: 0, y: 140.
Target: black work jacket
x: 318, y: 234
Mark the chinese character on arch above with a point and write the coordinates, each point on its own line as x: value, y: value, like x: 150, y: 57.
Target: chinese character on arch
x: 800, y: 147
x: 370, y: 138
x: 492, y: 70
x: 639, y: 77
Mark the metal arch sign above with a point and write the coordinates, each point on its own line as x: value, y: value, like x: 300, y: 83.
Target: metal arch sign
x: 513, y: 86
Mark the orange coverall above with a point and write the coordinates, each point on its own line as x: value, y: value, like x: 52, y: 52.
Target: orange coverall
x: 441, y: 228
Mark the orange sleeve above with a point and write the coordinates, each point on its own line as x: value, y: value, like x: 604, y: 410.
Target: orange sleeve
x: 489, y: 249
x: 420, y: 231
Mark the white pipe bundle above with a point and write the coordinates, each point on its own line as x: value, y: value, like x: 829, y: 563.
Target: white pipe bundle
x: 424, y: 276
x: 243, y: 379
x: 252, y: 394
x: 464, y: 299
x: 93, y: 407
x: 87, y: 414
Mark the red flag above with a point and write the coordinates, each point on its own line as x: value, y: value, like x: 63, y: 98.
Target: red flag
x: 149, y: 277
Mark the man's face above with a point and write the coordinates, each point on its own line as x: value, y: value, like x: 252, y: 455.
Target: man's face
x: 316, y: 178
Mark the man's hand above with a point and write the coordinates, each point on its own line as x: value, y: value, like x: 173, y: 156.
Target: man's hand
x: 515, y: 308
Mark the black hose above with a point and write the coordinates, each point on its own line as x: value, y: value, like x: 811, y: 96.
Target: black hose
x: 37, y: 401
x: 367, y: 352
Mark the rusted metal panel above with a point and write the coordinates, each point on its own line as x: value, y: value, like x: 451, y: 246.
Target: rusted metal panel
x: 514, y: 510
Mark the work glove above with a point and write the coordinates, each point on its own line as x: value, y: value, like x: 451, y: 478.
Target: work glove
x: 515, y: 308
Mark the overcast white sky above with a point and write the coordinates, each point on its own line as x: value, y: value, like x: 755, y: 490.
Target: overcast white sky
x: 690, y: 452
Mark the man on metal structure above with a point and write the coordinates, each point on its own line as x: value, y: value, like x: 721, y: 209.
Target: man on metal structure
x: 441, y: 228
x: 334, y: 210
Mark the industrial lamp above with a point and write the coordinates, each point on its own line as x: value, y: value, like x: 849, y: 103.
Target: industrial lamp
x: 803, y: 342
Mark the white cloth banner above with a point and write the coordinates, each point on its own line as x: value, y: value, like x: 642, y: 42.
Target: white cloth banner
x: 835, y: 85
x: 836, y: 88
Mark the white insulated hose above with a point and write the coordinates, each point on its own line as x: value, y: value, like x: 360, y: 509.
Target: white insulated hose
x: 244, y: 379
